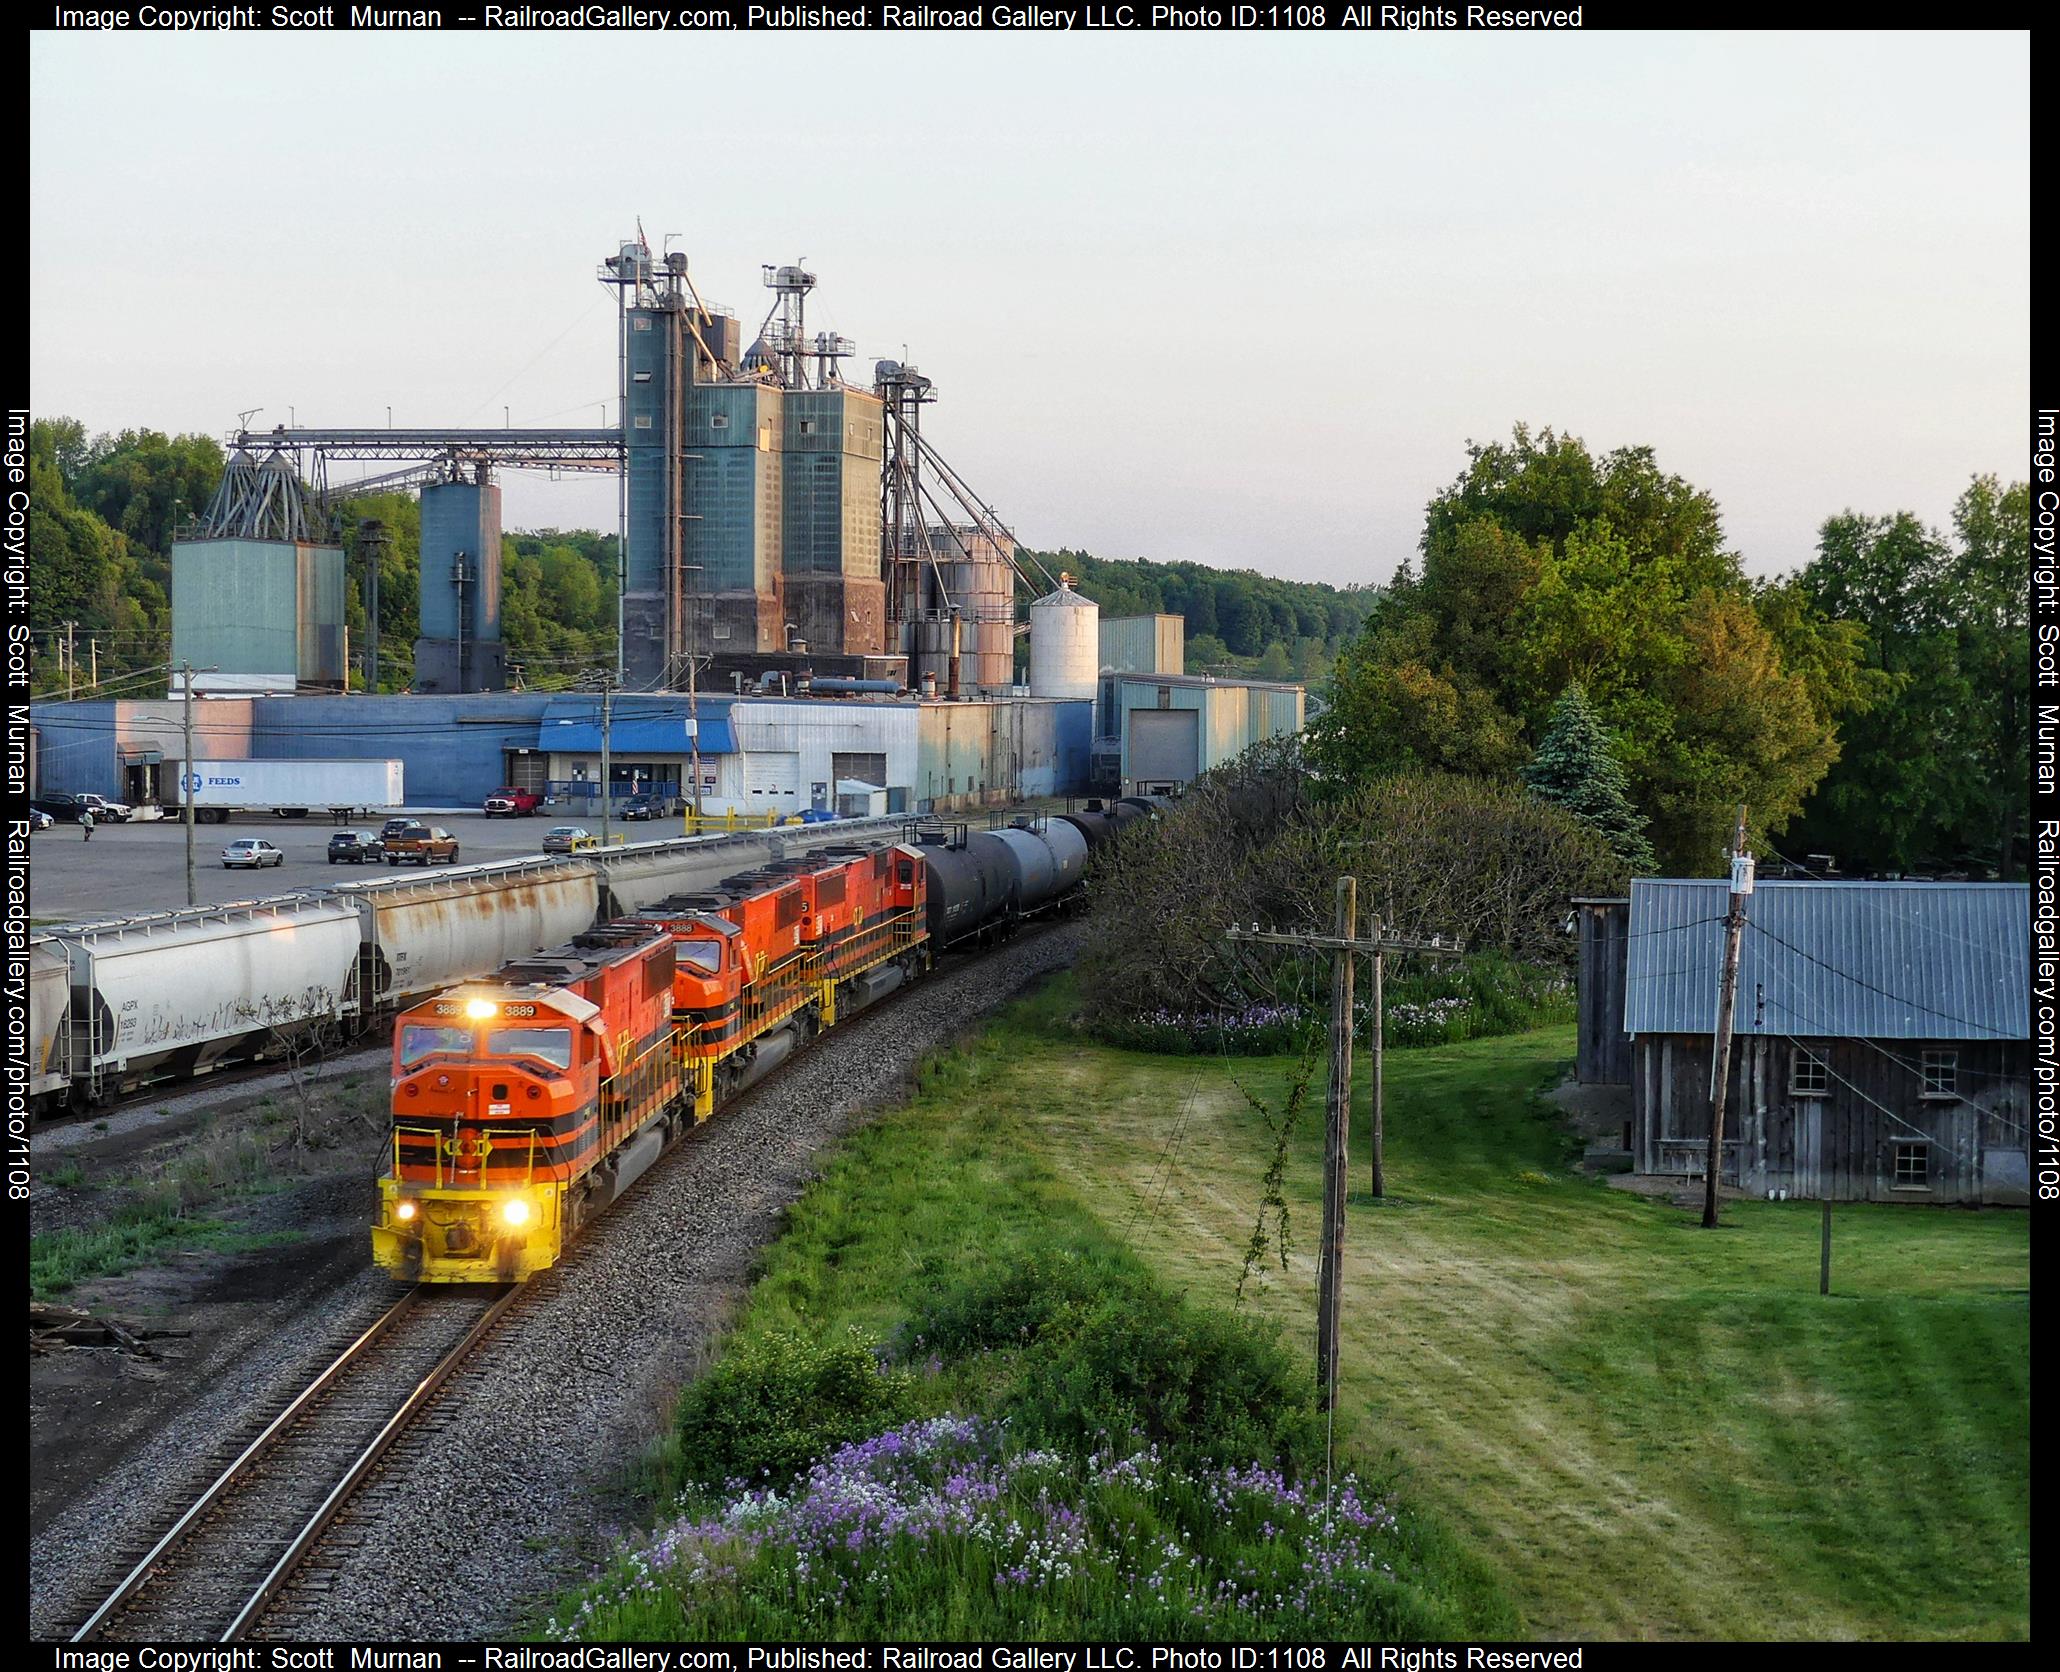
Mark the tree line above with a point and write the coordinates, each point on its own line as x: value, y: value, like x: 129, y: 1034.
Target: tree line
x: 1873, y: 706
x: 105, y: 510
x: 1236, y: 622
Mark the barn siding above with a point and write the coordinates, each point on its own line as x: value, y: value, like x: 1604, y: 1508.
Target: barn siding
x: 1604, y: 1056
x: 1841, y: 1144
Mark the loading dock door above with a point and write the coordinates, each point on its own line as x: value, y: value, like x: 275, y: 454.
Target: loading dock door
x: 1165, y: 744
x: 528, y: 769
x: 772, y: 779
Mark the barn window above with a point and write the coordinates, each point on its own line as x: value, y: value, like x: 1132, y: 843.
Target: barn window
x: 1913, y: 1166
x: 1941, y: 1073
x: 1808, y: 1075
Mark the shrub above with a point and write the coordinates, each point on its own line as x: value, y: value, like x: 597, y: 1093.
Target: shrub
x: 777, y: 1402
x: 1104, y: 1357
x: 1462, y: 857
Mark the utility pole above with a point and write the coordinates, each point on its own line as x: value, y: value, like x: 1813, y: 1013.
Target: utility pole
x: 607, y: 783
x: 1378, y: 1029
x: 694, y: 732
x: 1727, y: 1002
x: 186, y: 782
x: 1344, y: 946
x: 70, y: 659
x: 93, y: 664
x: 603, y: 680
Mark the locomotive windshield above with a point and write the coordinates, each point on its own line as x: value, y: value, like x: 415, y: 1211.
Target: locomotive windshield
x: 418, y: 1041
x: 552, y: 1045
x: 702, y: 954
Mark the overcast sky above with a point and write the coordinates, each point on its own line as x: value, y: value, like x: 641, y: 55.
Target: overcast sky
x: 1241, y: 299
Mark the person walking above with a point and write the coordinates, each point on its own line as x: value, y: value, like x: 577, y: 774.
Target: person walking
x: 86, y: 822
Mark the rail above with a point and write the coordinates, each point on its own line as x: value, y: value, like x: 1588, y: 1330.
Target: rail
x: 301, y: 1410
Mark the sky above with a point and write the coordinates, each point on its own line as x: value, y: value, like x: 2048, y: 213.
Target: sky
x: 1240, y: 299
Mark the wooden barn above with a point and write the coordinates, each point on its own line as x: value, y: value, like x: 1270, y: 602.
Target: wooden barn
x: 1604, y: 1057
x: 1882, y: 1046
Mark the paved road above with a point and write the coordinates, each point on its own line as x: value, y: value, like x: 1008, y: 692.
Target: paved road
x: 130, y: 869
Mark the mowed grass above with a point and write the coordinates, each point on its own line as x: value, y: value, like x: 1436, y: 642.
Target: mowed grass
x: 954, y: 1183
x: 1646, y: 1429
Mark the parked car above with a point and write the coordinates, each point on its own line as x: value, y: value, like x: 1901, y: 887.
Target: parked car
x: 393, y: 827
x: 420, y: 844
x: 63, y: 808
x: 252, y: 853
x: 508, y: 802
x: 644, y: 807
x: 106, y: 811
x: 354, y: 847
x: 40, y: 820
x: 567, y: 838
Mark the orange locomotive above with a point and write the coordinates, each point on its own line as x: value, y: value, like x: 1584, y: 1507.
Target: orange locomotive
x: 524, y: 1105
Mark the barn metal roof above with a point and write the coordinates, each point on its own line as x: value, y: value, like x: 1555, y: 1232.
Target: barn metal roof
x: 1867, y: 960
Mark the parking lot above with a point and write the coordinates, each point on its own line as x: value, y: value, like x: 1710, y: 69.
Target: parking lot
x: 131, y: 869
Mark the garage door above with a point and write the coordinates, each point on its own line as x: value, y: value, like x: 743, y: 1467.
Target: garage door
x: 772, y: 780
x: 1164, y: 744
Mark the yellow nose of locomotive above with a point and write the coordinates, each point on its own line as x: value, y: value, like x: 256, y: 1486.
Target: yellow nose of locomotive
x: 430, y: 1235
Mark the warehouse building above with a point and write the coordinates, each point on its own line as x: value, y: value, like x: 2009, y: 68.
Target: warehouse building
x: 1159, y: 732
x: 755, y: 754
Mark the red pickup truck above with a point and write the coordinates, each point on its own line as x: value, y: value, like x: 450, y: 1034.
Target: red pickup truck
x: 508, y: 802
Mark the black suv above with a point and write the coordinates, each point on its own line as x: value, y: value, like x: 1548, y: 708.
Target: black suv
x: 358, y: 847
x: 64, y: 808
x: 643, y: 807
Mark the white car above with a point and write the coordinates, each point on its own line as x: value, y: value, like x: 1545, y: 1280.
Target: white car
x: 40, y: 820
x: 250, y: 852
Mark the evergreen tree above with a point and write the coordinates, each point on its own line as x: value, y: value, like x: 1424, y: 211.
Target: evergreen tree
x: 1577, y: 769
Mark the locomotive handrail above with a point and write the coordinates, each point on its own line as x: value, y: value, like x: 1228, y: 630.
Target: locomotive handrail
x: 436, y: 1136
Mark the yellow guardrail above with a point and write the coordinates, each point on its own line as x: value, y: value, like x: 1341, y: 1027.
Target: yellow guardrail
x: 707, y: 824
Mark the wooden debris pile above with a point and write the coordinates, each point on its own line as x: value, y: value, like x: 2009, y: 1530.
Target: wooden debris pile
x: 56, y: 1329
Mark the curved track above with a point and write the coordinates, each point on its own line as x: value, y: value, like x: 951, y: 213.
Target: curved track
x: 215, y: 1570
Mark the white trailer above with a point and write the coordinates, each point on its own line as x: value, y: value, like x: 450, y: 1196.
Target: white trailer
x: 289, y: 789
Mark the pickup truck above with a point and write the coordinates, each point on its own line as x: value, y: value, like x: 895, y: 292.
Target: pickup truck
x: 420, y: 844
x: 508, y: 802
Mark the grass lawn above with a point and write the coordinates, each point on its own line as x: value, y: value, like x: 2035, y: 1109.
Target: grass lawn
x: 1645, y: 1428
x: 953, y: 1184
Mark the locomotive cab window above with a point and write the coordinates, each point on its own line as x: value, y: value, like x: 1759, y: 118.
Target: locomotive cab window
x: 701, y: 954
x: 551, y: 1045
x: 418, y: 1042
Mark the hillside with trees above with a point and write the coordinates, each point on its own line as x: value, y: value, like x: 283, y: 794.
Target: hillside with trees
x: 1239, y: 622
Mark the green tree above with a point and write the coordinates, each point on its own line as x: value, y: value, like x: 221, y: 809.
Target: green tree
x: 1542, y: 567
x: 1987, y: 577
x: 1576, y: 768
x: 1905, y: 785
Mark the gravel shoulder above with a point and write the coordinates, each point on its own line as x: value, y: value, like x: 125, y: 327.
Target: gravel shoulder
x: 514, y: 1485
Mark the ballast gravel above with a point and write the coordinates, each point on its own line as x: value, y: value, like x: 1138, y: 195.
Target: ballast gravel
x: 513, y: 1485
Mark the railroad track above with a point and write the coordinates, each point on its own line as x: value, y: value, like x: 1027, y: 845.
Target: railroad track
x: 216, y: 1569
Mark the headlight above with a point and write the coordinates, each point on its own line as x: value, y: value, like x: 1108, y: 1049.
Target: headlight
x: 516, y: 1212
x: 480, y: 1009
x: 404, y: 1210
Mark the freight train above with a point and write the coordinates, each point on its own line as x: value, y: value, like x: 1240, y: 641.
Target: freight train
x: 119, y: 1004
x: 524, y: 1105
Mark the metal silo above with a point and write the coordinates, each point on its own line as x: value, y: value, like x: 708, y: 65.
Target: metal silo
x: 1065, y: 643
